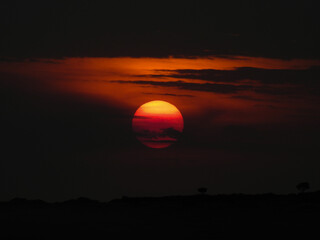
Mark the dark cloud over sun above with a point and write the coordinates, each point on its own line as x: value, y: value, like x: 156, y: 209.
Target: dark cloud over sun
x: 157, y: 124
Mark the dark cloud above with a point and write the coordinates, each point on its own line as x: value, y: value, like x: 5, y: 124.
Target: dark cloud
x: 248, y: 98
x: 203, y: 87
x: 267, y: 76
x: 147, y: 134
x: 288, y: 91
x: 167, y: 132
x: 171, y: 132
x: 289, y: 82
x: 168, y: 94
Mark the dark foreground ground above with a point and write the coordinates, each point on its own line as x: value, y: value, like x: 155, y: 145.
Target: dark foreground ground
x: 263, y: 216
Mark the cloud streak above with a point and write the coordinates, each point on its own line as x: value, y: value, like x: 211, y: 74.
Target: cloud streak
x: 166, y: 132
x: 265, y: 76
x: 168, y: 94
x: 203, y: 87
x: 223, y: 88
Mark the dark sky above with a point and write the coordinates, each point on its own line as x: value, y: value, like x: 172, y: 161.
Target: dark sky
x: 244, y: 76
x: 281, y: 29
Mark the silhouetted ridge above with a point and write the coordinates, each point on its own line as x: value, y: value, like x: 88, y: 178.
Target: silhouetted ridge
x: 200, y: 216
x: 80, y: 201
x: 225, y: 198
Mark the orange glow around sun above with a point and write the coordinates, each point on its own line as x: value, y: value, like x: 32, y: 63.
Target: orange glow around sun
x: 157, y: 124
x: 127, y: 82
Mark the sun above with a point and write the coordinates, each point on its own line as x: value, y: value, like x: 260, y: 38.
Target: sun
x: 157, y: 124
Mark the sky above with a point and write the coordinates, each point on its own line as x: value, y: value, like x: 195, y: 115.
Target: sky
x: 245, y: 77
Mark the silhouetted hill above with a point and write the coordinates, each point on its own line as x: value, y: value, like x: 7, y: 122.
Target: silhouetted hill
x: 172, y: 217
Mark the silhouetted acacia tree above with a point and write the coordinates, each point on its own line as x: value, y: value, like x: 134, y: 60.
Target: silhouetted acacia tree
x: 302, y: 187
x: 202, y: 190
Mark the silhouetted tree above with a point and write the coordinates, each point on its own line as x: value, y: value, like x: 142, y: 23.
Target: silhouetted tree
x: 303, y: 186
x: 202, y: 190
